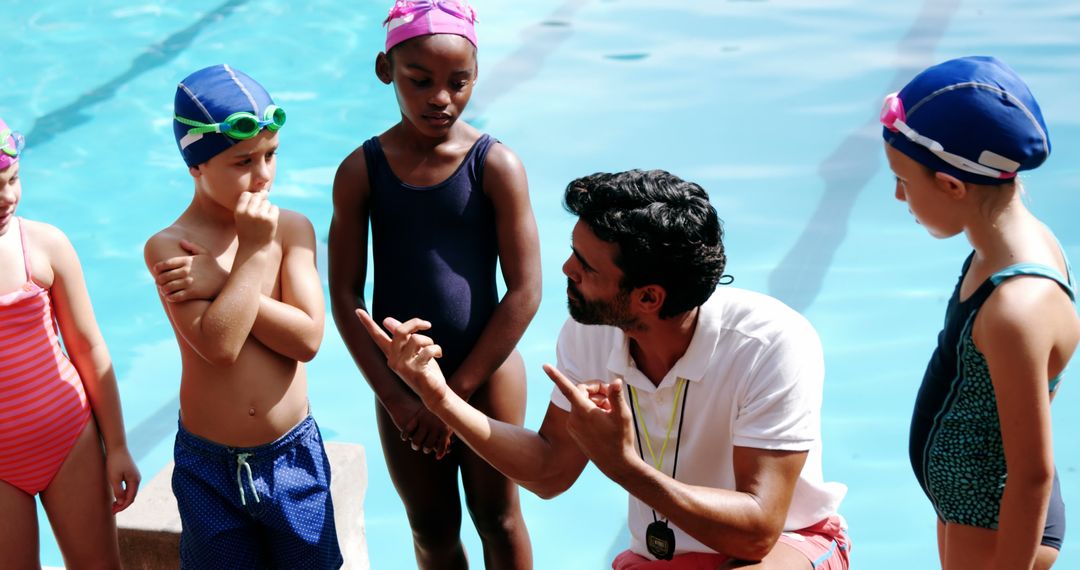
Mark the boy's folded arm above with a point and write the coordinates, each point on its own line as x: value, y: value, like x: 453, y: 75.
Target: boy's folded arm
x: 216, y: 330
x: 293, y: 326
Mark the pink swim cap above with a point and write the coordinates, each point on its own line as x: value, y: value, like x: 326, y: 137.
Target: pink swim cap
x: 411, y: 18
x: 11, y: 144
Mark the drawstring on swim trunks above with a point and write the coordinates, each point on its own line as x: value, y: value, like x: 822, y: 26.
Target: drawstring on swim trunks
x: 241, y: 462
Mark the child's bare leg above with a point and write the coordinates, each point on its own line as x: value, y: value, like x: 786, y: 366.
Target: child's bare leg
x: 941, y: 542
x: 492, y: 499
x: 79, y: 504
x: 429, y: 490
x: 18, y: 529
x: 1045, y: 558
x: 968, y: 547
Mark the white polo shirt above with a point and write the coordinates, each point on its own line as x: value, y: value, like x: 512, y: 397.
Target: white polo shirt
x: 754, y: 372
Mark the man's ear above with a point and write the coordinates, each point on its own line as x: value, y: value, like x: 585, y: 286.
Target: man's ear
x: 950, y: 185
x: 649, y: 298
x: 195, y: 171
x: 382, y: 68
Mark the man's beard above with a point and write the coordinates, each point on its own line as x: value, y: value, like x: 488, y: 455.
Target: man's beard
x: 614, y: 312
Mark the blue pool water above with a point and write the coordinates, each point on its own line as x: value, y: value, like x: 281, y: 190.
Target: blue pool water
x: 769, y: 104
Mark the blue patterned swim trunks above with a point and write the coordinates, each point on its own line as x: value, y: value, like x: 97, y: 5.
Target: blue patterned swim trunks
x: 259, y: 507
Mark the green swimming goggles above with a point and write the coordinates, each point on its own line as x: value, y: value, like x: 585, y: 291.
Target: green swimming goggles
x: 15, y: 146
x: 241, y: 125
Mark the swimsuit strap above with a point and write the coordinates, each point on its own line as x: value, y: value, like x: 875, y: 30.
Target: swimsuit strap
x: 1068, y: 268
x: 1040, y: 270
x: 375, y: 157
x: 1036, y: 269
x: 25, y: 250
x: 1055, y: 381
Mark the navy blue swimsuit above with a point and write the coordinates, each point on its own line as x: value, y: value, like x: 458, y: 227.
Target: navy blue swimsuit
x: 955, y: 445
x: 435, y: 250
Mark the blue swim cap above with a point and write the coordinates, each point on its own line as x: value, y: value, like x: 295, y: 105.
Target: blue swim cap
x: 972, y: 117
x: 210, y: 95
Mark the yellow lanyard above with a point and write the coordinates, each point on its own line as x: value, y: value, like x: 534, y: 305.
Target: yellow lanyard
x: 658, y: 463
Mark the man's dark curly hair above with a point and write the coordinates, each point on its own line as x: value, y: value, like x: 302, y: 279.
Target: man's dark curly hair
x: 667, y: 232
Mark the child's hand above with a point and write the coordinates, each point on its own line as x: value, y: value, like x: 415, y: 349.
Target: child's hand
x: 123, y: 477
x: 256, y: 219
x: 410, y: 416
x: 427, y: 433
x: 402, y: 412
x: 190, y: 277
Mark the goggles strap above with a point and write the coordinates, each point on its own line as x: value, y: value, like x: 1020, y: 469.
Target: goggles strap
x: 198, y: 129
x: 898, y: 125
x: 950, y: 158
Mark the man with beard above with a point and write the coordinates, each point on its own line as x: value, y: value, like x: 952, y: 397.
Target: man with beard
x: 703, y: 404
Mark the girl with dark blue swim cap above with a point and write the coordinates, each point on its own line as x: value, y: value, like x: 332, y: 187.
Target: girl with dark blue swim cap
x: 445, y: 203
x: 956, y: 136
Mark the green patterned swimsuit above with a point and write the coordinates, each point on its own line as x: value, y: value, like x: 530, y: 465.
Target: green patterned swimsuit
x: 955, y: 442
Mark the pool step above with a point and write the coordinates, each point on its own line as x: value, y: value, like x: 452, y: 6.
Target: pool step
x: 149, y: 530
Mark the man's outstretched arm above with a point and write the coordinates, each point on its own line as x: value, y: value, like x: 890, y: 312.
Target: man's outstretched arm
x: 545, y: 462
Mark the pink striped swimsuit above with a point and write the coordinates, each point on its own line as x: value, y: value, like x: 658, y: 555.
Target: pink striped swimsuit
x: 43, y: 406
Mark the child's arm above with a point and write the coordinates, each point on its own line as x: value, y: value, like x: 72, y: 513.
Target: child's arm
x: 218, y: 329
x: 293, y: 326
x: 1015, y: 331
x: 348, y: 245
x: 519, y: 256
x: 88, y: 353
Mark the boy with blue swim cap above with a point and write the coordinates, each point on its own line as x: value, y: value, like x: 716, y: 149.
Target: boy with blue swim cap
x: 220, y: 100
x: 956, y: 137
x: 237, y: 278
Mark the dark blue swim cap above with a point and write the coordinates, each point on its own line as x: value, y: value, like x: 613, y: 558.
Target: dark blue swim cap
x: 209, y: 96
x: 972, y: 117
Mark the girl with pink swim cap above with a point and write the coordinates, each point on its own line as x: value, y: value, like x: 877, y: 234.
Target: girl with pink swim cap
x: 445, y: 203
x: 61, y: 428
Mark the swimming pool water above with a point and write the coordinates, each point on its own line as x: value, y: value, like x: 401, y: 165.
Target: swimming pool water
x: 769, y: 104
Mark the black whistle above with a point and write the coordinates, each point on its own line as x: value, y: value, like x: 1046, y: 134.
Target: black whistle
x: 660, y: 540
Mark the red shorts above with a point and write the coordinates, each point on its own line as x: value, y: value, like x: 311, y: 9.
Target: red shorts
x: 824, y: 544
